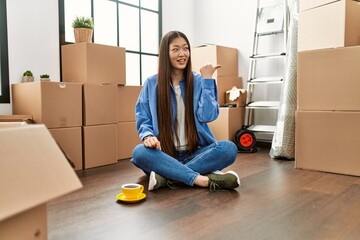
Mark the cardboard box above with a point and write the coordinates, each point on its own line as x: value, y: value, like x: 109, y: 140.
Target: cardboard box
x: 16, y: 118
x: 329, y: 79
x: 93, y: 63
x: 328, y: 141
x: 309, y: 4
x: 225, y: 56
x: 328, y: 24
x: 127, y: 97
x: 70, y: 141
x: 127, y: 139
x: 99, y: 144
x: 100, y: 104
x: 226, y: 83
x: 236, y: 96
x: 230, y: 120
x: 53, y: 103
x: 29, y: 179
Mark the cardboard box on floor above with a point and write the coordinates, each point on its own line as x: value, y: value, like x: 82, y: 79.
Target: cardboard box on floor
x: 214, y: 54
x: 329, y: 79
x: 70, y: 141
x: 99, y: 143
x: 229, y: 121
x: 127, y: 97
x: 328, y: 141
x: 99, y: 104
x: 33, y: 171
x: 328, y: 24
x: 93, y: 63
x: 56, y: 104
x: 127, y: 139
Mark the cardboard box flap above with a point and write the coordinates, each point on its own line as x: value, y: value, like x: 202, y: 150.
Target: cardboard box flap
x: 16, y: 118
x: 33, y: 170
x: 305, y: 5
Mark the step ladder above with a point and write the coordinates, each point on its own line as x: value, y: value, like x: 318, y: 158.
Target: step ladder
x: 270, y: 21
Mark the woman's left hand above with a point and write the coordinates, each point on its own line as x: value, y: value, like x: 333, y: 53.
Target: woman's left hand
x: 208, y: 70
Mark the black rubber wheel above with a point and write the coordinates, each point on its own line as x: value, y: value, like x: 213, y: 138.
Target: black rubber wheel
x: 245, y: 140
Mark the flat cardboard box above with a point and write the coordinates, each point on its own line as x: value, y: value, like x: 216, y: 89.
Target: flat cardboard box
x: 127, y: 97
x: 226, y: 83
x: 33, y: 171
x: 99, y: 104
x: 99, y: 143
x: 214, y: 54
x: 229, y: 121
x: 16, y: 118
x: 332, y: 25
x: 329, y: 79
x: 55, y: 104
x: 93, y: 63
x: 328, y: 141
x: 70, y: 141
x: 127, y: 139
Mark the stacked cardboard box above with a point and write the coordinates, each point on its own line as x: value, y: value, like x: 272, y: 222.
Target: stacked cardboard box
x: 30, y: 178
x: 101, y: 70
x: 127, y: 134
x: 328, y: 111
x: 227, y: 77
x: 59, y: 107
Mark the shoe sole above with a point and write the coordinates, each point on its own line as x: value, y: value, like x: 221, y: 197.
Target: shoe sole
x: 152, y: 181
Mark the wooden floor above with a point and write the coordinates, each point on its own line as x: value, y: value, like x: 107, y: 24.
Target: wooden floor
x: 275, y: 201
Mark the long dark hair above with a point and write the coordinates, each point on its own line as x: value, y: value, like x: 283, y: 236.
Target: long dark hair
x: 166, y: 129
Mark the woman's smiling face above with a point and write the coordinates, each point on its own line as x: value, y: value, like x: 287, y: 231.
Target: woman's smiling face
x: 179, y: 53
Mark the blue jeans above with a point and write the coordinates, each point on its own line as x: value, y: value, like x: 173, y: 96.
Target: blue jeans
x: 185, y: 168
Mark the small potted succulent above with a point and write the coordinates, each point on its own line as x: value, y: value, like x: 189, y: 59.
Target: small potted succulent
x: 44, y: 77
x: 83, y: 29
x: 28, y: 76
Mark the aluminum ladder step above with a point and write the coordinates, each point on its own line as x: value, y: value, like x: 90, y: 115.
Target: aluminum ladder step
x: 259, y: 34
x: 266, y: 80
x: 268, y: 55
x: 264, y: 105
x: 262, y: 128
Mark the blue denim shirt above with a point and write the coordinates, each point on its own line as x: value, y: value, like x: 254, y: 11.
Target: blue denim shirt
x: 206, y: 107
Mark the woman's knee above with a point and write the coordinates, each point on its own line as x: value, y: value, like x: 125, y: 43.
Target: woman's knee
x: 230, y: 150
x: 138, y: 152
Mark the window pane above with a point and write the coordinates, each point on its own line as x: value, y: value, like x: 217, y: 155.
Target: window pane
x: 105, y: 26
x: 149, y: 66
x: 129, y: 27
x: 149, y: 32
x: 132, y: 2
x: 150, y: 4
x: 72, y: 10
x: 132, y: 69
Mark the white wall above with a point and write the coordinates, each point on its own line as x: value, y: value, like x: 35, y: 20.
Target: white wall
x: 33, y: 32
x: 33, y: 40
x: 228, y: 23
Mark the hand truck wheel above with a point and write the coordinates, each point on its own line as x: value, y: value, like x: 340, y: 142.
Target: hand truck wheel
x: 245, y: 140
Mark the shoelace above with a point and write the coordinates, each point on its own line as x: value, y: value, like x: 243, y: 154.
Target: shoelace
x: 215, y: 186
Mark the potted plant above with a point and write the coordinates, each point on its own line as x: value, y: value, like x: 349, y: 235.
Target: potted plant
x: 44, y: 77
x: 83, y: 29
x: 27, y: 76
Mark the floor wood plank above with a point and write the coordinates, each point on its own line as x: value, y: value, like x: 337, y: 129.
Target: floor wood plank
x: 275, y: 201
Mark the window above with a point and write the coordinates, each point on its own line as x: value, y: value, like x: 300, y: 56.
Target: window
x: 4, y: 65
x: 132, y: 24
